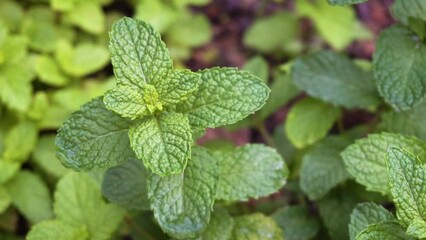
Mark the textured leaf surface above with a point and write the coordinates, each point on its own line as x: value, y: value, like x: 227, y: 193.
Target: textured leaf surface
x: 224, y: 96
x: 220, y: 225
x: 163, y: 142
x: 30, y: 195
x: 54, y: 230
x: 333, y: 78
x: 399, y: 70
x: 93, y: 138
x: 126, y: 101
x: 126, y: 185
x: 256, y: 226
x: 182, y: 202
x: 383, y: 230
x: 407, y: 182
x: 365, y: 159
x: 323, y: 168
x: 417, y: 228
x: 310, y: 120
x: 78, y: 202
x: 345, y: 2
x: 404, y: 9
x: 251, y: 171
x: 366, y: 214
x: 296, y: 223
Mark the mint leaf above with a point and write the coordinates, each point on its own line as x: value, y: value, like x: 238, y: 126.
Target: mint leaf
x: 257, y: 66
x: 126, y: 186
x: 182, y: 202
x: 345, y: 2
x: 195, y: 25
x: 256, y: 226
x: 407, y: 177
x: 251, y: 171
x: 78, y: 202
x: 417, y: 228
x: 15, y: 149
x: 8, y: 169
x: 11, y: 14
x: 48, y: 71
x: 389, y: 230
x: 5, y: 199
x: 55, y: 229
x: 93, y: 138
x: 310, y: 120
x: 323, y: 168
x: 162, y: 142
x: 399, y: 71
x: 44, y: 157
x: 30, y: 195
x: 220, y: 225
x: 126, y: 101
x: 224, y: 96
x: 365, y: 159
x: 366, y: 214
x: 405, y: 9
x: 333, y: 78
x: 296, y: 222
x: 38, y: 26
x: 87, y: 15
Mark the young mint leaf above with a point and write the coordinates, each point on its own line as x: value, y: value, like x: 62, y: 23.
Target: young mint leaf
x: 224, y: 96
x: 162, y: 142
x: 195, y: 25
x: 296, y: 222
x: 41, y: 32
x: 345, y: 2
x: 399, y: 71
x: 87, y: 15
x: 17, y: 150
x: 78, y: 202
x: 220, y: 225
x: 55, y: 229
x: 333, y: 78
x: 258, y: 66
x: 30, y: 195
x: 93, y: 138
x: 389, y: 230
x: 365, y: 159
x: 405, y: 9
x: 417, y: 228
x: 5, y: 199
x: 49, y: 72
x: 251, y: 171
x: 44, y: 156
x: 127, y: 101
x: 157, y: 13
x: 407, y: 178
x: 126, y: 186
x: 11, y: 14
x: 366, y: 214
x: 255, y: 226
x: 182, y: 202
x: 323, y: 168
x: 8, y: 170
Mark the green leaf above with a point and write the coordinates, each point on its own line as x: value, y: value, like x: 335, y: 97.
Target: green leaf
x: 417, y: 228
x: 256, y: 226
x: 87, y: 15
x: 383, y: 230
x: 42, y: 34
x: 55, y: 229
x: 405, y: 9
x: 93, y: 138
x: 345, y: 2
x: 162, y: 142
x: 5, y: 199
x: 30, y: 195
x: 333, y: 78
x: 323, y: 168
x: 8, y: 169
x: 366, y: 214
x: 126, y: 101
x: 407, y: 183
x: 44, y: 156
x: 48, y: 71
x: 399, y: 70
x: 78, y: 202
x: 224, y: 96
x: 157, y: 13
x: 310, y: 120
x: 296, y: 222
x: 63, y: 5
x: 258, y: 66
x: 15, y: 147
x: 11, y: 13
x: 220, y: 225
x: 182, y: 202
x: 251, y: 171
x: 197, y: 26
x: 125, y: 185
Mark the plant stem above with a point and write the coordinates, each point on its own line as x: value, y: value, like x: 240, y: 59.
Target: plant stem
x: 265, y: 135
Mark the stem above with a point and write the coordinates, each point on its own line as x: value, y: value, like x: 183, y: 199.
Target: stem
x: 140, y: 231
x: 265, y: 135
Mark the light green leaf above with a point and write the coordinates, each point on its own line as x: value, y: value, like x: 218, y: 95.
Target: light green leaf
x: 310, y: 120
x: 345, y: 2
x: 126, y: 101
x: 366, y: 214
x: 407, y: 183
x: 44, y: 156
x: 48, y: 71
x: 182, y: 202
x: 8, y: 169
x: 63, y: 5
x: 41, y: 33
x: 383, y: 230
x: 93, y: 138
x: 78, y: 202
x: 399, y: 70
x: 224, y: 96
x: 136, y: 64
x: 11, y: 13
x: 256, y: 226
x: 5, y: 199
x: 219, y: 227
x: 30, y: 195
x: 417, y: 228
x: 365, y: 159
x: 296, y: 222
x: 20, y: 141
x: 323, y: 168
x: 125, y: 185
x: 257, y: 66
x: 251, y: 171
x: 87, y: 15
x: 190, y: 30
x: 55, y: 230
x: 157, y: 13
x: 162, y: 142
x: 333, y: 78
x: 405, y: 9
